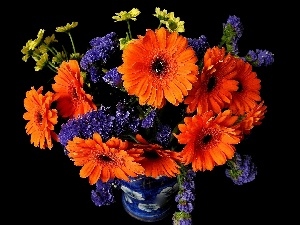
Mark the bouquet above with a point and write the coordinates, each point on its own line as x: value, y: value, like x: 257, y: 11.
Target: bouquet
x: 155, y: 104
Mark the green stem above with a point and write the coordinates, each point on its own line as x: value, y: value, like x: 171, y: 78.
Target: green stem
x: 160, y: 23
x: 129, y: 30
x: 51, y: 67
x: 72, y: 42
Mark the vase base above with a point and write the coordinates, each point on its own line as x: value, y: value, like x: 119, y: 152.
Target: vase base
x: 146, y: 217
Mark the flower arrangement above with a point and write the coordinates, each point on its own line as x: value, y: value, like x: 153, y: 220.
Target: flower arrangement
x: 156, y: 104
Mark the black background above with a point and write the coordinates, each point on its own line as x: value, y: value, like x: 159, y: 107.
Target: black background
x: 47, y: 186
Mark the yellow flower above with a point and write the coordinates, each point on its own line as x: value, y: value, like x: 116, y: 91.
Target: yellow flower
x: 42, y: 49
x: 67, y: 28
x: 124, y: 15
x: 36, y: 42
x: 163, y: 16
x: 41, y: 62
x: 174, y: 23
x: 50, y: 39
x: 25, y: 50
x: 31, y: 45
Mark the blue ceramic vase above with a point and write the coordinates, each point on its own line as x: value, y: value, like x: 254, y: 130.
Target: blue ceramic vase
x: 148, y: 199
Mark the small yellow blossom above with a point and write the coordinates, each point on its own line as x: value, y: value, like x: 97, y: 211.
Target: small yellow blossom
x: 174, y: 23
x: 67, y: 28
x: 31, y: 45
x: 26, y: 51
x: 124, y: 15
x: 42, y: 49
x: 42, y: 62
x: 50, y: 39
x: 36, y: 42
x: 163, y: 16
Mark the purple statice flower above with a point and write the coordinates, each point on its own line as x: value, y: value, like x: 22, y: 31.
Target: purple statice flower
x: 86, y: 125
x: 199, y: 45
x: 232, y: 32
x: 185, y: 206
x: 163, y: 134
x: 101, y: 51
x: 182, y: 218
x: 69, y: 130
x: 259, y: 57
x: 103, y: 194
x: 148, y: 121
x: 242, y: 170
x: 95, y: 74
x: 184, y: 221
x: 126, y: 119
x: 185, y: 197
x: 235, y: 22
x: 113, y: 77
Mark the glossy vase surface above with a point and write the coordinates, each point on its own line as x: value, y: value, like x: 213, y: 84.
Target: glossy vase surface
x: 148, y: 199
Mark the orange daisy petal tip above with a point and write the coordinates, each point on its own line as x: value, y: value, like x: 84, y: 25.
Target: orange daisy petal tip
x: 159, y: 67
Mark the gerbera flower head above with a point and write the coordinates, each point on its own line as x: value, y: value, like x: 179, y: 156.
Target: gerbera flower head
x: 69, y: 93
x: 101, y: 160
x: 159, y: 67
x: 216, y: 83
x: 253, y: 118
x: 155, y: 160
x: 248, y: 93
x: 206, y: 141
x: 41, y: 118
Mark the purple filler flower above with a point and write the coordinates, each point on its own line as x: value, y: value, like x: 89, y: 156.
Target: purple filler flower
x: 259, y: 57
x: 101, y: 51
x: 113, y: 77
x: 232, y: 32
x: 199, y: 45
x: 242, y: 169
x: 103, y: 194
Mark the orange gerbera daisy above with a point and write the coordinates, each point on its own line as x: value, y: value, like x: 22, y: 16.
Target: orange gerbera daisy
x: 159, y: 67
x: 248, y: 93
x: 156, y: 160
x: 253, y: 118
x: 103, y: 161
x: 215, y: 86
x: 207, y: 141
x: 70, y: 96
x: 41, y: 118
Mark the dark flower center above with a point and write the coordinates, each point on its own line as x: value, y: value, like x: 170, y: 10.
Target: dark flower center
x: 206, y: 138
x: 150, y: 154
x: 39, y: 117
x: 158, y: 65
x: 240, y: 87
x: 211, y: 83
x: 105, y: 158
